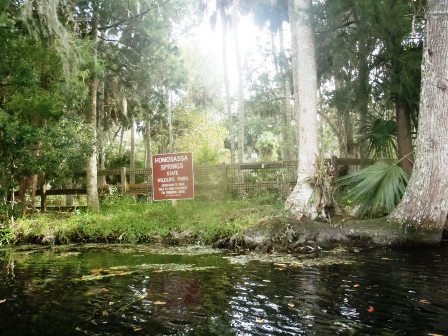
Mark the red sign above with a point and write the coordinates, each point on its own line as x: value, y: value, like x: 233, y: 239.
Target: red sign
x: 172, y: 176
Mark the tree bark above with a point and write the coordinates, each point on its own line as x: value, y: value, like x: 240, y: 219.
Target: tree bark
x: 299, y: 201
x: 132, y: 159
x: 227, y: 90
x: 68, y: 198
x: 170, y: 122
x: 239, y: 64
x: 404, y: 137
x: 101, y: 135
x: 292, y: 18
x: 424, y: 206
x: 148, y: 142
x: 287, y: 136
x: 363, y: 91
x: 91, y: 167
x: 120, y: 146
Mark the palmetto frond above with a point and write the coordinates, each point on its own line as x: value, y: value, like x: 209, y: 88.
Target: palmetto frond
x: 376, y: 189
x: 379, y: 136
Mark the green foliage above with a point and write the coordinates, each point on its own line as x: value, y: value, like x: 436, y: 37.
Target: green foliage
x: 375, y: 190
x: 379, y: 136
x: 127, y: 221
x: 267, y: 146
x: 6, y: 236
x: 201, y: 135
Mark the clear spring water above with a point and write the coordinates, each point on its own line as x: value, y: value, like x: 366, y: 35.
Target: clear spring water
x: 141, y: 290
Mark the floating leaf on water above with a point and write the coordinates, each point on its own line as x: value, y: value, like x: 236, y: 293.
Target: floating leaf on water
x: 3, y: 301
x: 260, y: 321
x: 356, y: 285
x: 138, y: 329
x: 159, y: 302
x: 291, y: 305
x: 424, y: 301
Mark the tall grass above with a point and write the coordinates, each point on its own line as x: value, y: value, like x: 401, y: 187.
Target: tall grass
x: 130, y: 221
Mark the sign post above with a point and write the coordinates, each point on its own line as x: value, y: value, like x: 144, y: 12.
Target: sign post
x: 172, y: 176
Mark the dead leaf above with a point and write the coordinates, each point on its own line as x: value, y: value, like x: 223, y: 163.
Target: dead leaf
x: 104, y: 290
x: 159, y: 302
x: 138, y: 329
x: 259, y: 321
x: 111, y: 303
x: 3, y: 301
x: 370, y: 309
x: 423, y: 301
x: 356, y: 285
x: 291, y: 305
x: 430, y: 334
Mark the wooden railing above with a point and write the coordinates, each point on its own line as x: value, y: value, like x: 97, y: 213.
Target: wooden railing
x: 220, y: 179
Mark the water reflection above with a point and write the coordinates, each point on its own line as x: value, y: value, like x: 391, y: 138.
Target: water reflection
x: 99, y: 290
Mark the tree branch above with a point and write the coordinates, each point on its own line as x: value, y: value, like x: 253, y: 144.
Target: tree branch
x: 116, y: 24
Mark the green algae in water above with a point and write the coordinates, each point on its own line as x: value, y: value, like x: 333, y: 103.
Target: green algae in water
x: 190, y: 250
x: 288, y: 260
x: 98, y: 274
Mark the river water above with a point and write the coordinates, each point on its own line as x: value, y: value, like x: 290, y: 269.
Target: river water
x: 144, y: 290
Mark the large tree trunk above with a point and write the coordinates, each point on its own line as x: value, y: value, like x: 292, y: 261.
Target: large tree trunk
x: 287, y: 115
x: 170, y: 122
x: 299, y: 201
x: 27, y: 192
x: 227, y: 90
x: 120, y: 146
x: 292, y: 17
x: 239, y: 64
x: 132, y: 159
x: 91, y: 167
x: 101, y: 135
x: 424, y: 206
x: 148, y: 163
x: 404, y: 136
x: 363, y: 90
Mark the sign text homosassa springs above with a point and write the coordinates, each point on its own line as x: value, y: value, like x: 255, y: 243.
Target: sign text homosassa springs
x: 172, y: 176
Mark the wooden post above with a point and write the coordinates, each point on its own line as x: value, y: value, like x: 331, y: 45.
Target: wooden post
x: 123, y: 180
x: 43, y: 197
x: 69, y: 198
x: 334, y: 163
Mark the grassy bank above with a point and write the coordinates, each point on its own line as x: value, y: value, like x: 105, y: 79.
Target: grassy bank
x: 129, y: 221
